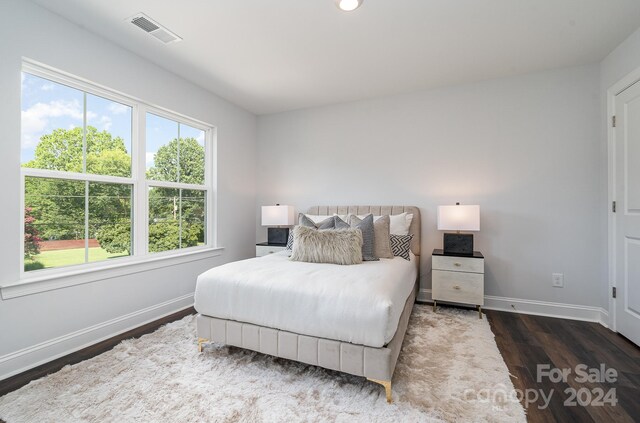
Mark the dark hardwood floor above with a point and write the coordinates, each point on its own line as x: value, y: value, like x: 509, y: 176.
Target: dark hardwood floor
x: 528, y: 341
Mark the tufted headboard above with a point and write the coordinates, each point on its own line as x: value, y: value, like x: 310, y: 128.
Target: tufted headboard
x: 377, y: 211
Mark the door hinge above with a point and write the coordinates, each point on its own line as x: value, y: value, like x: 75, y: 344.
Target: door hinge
x: 613, y: 206
x: 613, y: 121
x: 613, y: 293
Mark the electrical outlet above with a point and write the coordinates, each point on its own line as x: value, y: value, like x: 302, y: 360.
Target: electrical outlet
x: 557, y: 280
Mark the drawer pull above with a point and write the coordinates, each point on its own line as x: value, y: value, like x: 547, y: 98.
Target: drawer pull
x: 457, y: 264
x: 456, y: 286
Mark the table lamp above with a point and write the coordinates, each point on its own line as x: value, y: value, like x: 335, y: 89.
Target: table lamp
x: 458, y: 218
x: 277, y: 216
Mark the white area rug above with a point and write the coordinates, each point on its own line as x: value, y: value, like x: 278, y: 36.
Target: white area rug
x: 448, y: 361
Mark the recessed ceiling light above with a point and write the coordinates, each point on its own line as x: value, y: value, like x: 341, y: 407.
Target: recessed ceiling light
x: 348, y: 5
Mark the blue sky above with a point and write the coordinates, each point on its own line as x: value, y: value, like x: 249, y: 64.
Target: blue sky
x: 47, y: 105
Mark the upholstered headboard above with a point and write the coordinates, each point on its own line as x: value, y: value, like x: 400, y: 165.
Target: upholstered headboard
x: 377, y: 211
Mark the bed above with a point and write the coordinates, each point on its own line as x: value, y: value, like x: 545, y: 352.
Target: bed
x: 346, y: 318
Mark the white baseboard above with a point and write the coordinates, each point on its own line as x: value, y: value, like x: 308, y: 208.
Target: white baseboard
x: 33, y: 356
x: 538, y: 308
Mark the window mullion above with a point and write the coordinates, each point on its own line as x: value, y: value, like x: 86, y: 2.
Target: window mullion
x: 140, y: 215
x: 86, y: 221
x: 86, y: 183
x: 75, y: 176
x: 180, y: 218
x: 178, y: 158
x: 210, y: 181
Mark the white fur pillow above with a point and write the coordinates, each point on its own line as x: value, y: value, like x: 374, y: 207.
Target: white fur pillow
x: 340, y: 246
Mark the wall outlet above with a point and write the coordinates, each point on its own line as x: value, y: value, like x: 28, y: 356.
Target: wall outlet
x: 557, y: 280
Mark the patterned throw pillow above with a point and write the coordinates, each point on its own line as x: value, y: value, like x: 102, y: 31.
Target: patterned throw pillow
x: 368, y: 236
x: 290, y: 240
x: 401, y: 245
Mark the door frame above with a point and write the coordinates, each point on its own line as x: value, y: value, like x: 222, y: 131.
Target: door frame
x: 612, y: 92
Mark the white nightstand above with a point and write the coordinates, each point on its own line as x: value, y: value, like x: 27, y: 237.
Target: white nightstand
x: 264, y: 248
x: 458, y: 279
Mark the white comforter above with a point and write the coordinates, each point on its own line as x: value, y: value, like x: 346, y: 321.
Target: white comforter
x: 360, y: 304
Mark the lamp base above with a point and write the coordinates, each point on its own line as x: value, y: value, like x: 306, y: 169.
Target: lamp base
x: 458, y: 244
x: 277, y: 236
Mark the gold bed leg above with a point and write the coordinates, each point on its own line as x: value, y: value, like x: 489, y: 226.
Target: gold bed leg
x: 200, y: 342
x: 479, y: 312
x: 387, y: 387
x: 434, y: 306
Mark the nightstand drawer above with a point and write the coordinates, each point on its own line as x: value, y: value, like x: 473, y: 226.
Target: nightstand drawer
x: 263, y: 250
x: 458, y: 287
x: 458, y: 264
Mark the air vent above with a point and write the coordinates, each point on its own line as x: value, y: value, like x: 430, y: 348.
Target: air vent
x: 152, y: 27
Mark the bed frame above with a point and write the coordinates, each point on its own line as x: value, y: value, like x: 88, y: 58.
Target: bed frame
x: 376, y: 364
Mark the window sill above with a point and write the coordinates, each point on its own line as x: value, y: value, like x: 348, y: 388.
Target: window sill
x: 70, y: 277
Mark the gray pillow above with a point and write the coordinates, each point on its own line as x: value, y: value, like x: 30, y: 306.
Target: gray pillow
x: 368, y: 236
x: 340, y: 224
x: 328, y: 223
x: 333, y: 222
x: 342, y: 246
x: 381, y: 229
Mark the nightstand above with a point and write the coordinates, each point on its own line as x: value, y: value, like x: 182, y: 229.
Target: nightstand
x: 458, y: 279
x: 264, y: 248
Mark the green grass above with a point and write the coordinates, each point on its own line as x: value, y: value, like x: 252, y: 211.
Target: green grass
x: 59, y: 258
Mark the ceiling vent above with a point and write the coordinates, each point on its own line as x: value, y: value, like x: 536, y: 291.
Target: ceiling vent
x: 152, y: 27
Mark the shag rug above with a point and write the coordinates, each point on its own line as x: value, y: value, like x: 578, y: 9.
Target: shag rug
x: 449, y: 370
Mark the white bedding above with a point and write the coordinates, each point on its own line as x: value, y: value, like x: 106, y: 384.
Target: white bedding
x: 360, y: 304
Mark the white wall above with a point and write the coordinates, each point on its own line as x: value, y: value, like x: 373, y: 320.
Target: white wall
x: 621, y: 61
x: 527, y: 149
x: 91, y: 311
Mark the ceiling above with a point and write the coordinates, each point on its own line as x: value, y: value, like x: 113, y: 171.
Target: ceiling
x: 272, y: 56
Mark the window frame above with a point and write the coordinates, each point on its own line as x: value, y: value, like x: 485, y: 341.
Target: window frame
x: 137, y: 180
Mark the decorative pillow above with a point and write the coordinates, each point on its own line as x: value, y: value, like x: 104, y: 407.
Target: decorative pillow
x: 368, y: 236
x: 331, y: 222
x: 304, y: 220
x: 339, y: 223
x: 342, y: 246
x: 290, y: 240
x: 401, y: 245
x: 382, y: 246
x: 398, y: 223
x: 317, y: 218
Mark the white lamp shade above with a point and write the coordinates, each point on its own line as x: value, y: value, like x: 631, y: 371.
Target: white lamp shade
x: 277, y: 216
x: 458, y: 218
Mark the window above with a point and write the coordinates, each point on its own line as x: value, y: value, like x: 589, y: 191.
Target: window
x: 175, y: 161
x: 106, y: 177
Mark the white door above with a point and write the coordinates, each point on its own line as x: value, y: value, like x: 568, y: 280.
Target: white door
x: 627, y: 217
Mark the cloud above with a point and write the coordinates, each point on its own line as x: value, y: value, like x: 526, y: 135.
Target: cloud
x: 47, y: 87
x: 149, y: 159
x: 37, y: 118
x: 104, y: 123
x: 200, y: 137
x: 117, y: 108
